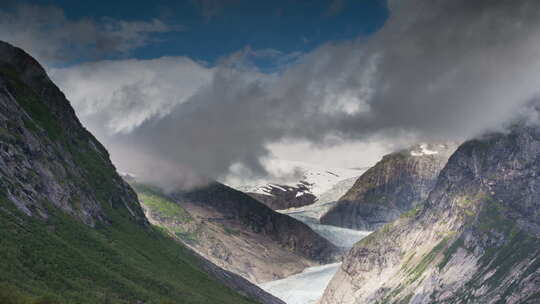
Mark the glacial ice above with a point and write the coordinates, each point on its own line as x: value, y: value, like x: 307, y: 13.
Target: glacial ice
x: 307, y: 287
x: 303, y: 288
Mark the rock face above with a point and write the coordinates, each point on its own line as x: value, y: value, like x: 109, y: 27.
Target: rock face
x: 397, y: 183
x: 476, y: 239
x: 237, y: 232
x: 46, y: 154
x: 69, y: 225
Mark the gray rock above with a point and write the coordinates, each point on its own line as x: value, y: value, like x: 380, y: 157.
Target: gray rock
x: 474, y: 240
x: 46, y: 155
x: 396, y: 184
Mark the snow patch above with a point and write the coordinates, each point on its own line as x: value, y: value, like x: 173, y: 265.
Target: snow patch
x: 423, y: 150
x: 316, y: 179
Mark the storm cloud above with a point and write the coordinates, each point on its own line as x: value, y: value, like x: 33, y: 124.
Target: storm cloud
x: 437, y: 70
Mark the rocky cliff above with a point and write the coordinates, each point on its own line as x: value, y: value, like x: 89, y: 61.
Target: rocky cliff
x: 70, y: 228
x: 237, y: 232
x: 46, y: 154
x: 476, y: 239
x: 397, y: 183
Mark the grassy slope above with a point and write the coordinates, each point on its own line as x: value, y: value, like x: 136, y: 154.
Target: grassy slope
x: 119, y: 263
x: 159, y: 203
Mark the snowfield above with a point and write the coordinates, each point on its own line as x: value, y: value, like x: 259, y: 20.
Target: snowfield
x: 324, y: 202
x: 292, y: 173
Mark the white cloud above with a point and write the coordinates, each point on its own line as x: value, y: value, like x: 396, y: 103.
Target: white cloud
x: 117, y: 96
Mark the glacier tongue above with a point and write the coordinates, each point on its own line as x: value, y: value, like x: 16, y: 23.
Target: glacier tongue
x: 303, y: 288
x: 341, y: 237
x: 307, y: 287
x: 328, y: 185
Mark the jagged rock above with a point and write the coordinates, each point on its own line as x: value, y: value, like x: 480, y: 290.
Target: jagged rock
x: 476, y: 239
x: 396, y: 184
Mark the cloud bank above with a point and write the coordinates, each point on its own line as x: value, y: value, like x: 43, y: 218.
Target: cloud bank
x: 437, y: 70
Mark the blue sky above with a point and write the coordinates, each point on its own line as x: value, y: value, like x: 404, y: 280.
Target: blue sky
x: 211, y: 29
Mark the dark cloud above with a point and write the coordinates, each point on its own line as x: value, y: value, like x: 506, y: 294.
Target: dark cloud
x: 437, y: 70
x: 46, y: 33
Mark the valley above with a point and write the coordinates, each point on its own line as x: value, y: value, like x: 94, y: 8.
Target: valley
x: 308, y: 286
x: 209, y: 220
x: 279, y: 152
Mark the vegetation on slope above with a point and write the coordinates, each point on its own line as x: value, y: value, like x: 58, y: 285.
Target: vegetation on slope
x: 56, y: 258
x: 121, y: 263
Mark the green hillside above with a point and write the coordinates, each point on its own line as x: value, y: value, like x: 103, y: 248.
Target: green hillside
x: 121, y: 263
x: 71, y: 230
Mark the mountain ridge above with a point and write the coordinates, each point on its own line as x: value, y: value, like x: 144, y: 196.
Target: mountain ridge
x: 237, y: 232
x: 396, y: 184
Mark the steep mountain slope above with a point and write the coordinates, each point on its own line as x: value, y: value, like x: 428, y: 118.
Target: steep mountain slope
x: 476, y: 239
x: 237, y: 232
x: 295, y: 184
x: 70, y: 227
x: 394, y: 185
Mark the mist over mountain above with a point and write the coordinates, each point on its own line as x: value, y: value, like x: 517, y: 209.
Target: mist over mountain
x: 448, y: 71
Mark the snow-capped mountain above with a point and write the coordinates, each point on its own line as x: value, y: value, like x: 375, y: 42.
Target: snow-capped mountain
x: 293, y: 183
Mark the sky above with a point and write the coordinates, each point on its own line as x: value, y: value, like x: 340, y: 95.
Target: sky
x: 181, y: 90
x: 206, y: 30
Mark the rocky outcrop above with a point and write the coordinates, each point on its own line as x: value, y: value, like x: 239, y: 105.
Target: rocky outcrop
x: 237, y: 232
x: 279, y: 197
x: 476, y: 239
x: 70, y: 227
x: 397, y: 183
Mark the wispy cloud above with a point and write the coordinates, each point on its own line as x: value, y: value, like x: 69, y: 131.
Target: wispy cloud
x: 46, y: 33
